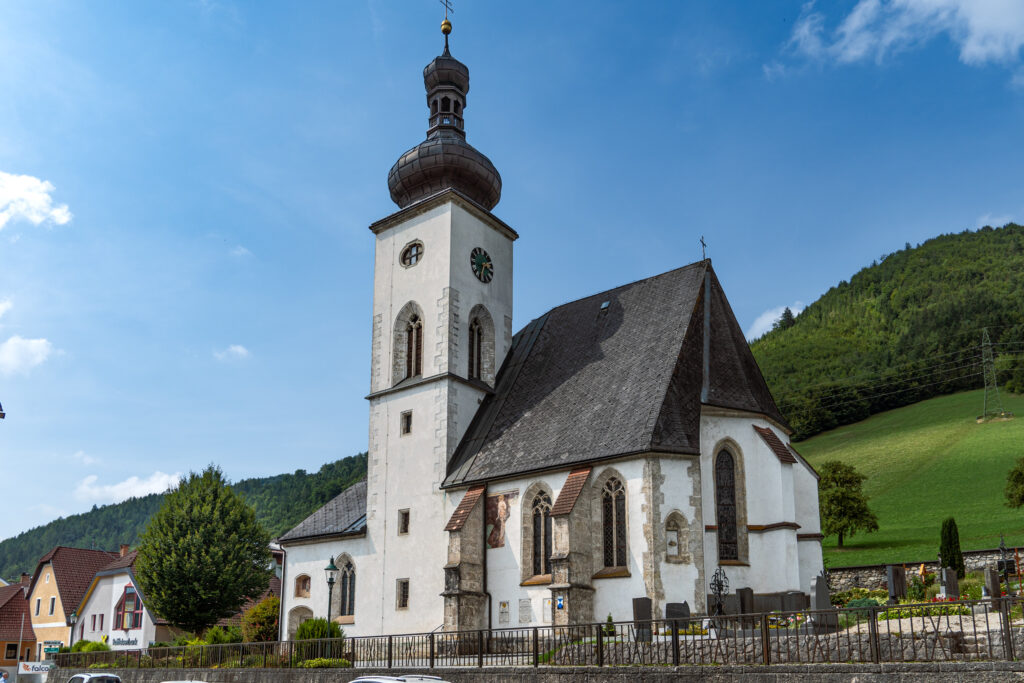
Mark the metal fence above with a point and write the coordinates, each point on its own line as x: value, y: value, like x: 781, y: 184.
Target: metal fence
x: 991, y: 629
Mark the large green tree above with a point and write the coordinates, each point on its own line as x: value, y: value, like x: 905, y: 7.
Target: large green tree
x: 203, y: 553
x: 844, y: 506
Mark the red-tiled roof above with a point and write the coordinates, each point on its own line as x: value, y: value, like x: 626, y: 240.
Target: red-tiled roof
x: 461, y: 513
x: 13, y: 605
x: 236, y: 619
x: 73, y: 570
x: 124, y: 562
x: 775, y: 443
x: 570, y: 492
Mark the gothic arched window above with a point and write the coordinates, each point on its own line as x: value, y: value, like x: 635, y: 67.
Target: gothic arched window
x: 725, y: 497
x: 348, y: 590
x: 613, y: 506
x: 476, y: 347
x: 541, y: 534
x: 446, y: 104
x: 414, y: 347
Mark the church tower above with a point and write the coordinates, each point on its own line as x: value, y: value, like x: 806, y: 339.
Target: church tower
x: 442, y: 323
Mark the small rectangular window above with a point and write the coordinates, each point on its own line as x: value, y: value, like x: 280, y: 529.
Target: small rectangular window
x: 101, y: 622
x: 403, y: 521
x: 39, y: 601
x: 402, y: 597
x: 12, y: 651
x: 53, y: 604
x: 94, y: 622
x: 407, y: 422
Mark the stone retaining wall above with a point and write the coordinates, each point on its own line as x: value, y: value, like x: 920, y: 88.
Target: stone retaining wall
x: 975, y: 672
x: 873, y: 575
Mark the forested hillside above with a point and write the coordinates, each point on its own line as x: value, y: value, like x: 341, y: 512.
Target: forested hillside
x: 280, y: 502
x: 904, y: 329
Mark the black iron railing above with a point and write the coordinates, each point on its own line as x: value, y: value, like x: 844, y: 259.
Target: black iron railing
x: 991, y: 629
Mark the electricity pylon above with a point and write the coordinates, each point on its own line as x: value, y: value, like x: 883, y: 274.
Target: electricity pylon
x: 993, y: 404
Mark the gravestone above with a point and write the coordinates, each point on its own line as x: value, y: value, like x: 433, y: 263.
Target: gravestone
x: 896, y: 577
x: 950, y: 583
x: 993, y: 584
x: 793, y: 601
x: 677, y: 610
x: 826, y: 616
x: 745, y: 597
x: 642, y: 615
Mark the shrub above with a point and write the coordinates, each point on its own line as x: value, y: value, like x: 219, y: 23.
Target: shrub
x: 315, y: 629
x: 217, y: 635
x: 842, y: 598
x: 101, y: 665
x: 259, y: 623
x: 609, y: 626
x: 95, y: 646
x: 78, y: 646
x: 325, y: 663
x: 862, y: 603
x: 916, y: 589
x: 949, y: 547
x: 939, y: 610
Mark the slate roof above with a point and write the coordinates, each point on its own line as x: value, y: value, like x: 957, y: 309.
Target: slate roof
x: 13, y: 605
x: 343, y: 515
x: 73, y: 570
x: 586, y: 382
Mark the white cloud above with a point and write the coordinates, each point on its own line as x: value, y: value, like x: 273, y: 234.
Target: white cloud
x: 28, y: 198
x: 994, y: 220
x: 233, y: 352
x: 240, y: 251
x: 5, y: 305
x: 985, y: 31
x: 84, y: 458
x: 19, y: 355
x: 88, y: 491
x: 764, y: 322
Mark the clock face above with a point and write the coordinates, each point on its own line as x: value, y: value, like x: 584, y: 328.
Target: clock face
x: 483, y: 267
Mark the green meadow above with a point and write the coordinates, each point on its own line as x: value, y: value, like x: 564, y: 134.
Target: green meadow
x: 926, y: 462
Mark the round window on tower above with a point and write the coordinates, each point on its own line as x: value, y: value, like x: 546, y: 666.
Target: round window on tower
x: 412, y: 254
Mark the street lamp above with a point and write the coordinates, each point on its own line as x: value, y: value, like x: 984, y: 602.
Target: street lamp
x: 74, y: 620
x: 332, y: 576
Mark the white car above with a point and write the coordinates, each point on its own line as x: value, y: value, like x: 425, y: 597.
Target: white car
x: 94, y: 678
x: 408, y: 678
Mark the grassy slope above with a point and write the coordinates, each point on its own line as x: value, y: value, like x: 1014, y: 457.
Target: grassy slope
x: 926, y: 462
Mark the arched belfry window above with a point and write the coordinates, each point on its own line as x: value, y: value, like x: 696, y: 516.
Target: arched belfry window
x: 725, y: 512
x: 348, y: 589
x: 446, y: 104
x: 414, y: 347
x: 541, y: 507
x: 480, y: 349
x: 613, y: 521
x: 407, y: 358
x: 476, y: 348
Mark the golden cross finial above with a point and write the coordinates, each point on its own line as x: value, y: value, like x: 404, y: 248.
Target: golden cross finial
x: 446, y: 26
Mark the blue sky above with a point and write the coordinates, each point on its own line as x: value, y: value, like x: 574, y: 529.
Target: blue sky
x: 185, y: 187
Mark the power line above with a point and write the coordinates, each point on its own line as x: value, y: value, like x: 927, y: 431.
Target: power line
x: 924, y: 372
x: 919, y: 386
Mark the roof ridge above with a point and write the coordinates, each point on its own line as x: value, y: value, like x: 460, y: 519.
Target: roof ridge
x: 706, y: 262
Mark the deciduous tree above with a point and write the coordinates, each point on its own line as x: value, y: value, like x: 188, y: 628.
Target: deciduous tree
x: 203, y: 553
x: 844, y: 506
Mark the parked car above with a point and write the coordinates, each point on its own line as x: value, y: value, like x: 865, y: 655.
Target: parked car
x: 408, y: 678
x: 94, y: 678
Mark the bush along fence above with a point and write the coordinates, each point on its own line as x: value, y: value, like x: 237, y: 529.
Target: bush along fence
x: 991, y: 629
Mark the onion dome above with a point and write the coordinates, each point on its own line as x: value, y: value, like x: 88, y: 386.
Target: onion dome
x: 445, y: 160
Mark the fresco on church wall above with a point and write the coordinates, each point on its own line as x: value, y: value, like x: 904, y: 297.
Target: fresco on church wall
x: 497, y: 510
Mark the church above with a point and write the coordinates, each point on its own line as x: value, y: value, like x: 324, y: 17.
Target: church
x: 619, y: 446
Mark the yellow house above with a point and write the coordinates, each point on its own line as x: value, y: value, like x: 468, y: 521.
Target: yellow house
x: 60, y: 580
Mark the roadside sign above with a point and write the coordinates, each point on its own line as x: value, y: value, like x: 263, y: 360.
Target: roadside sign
x: 51, y: 649
x: 34, y: 667
x: 53, y: 643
